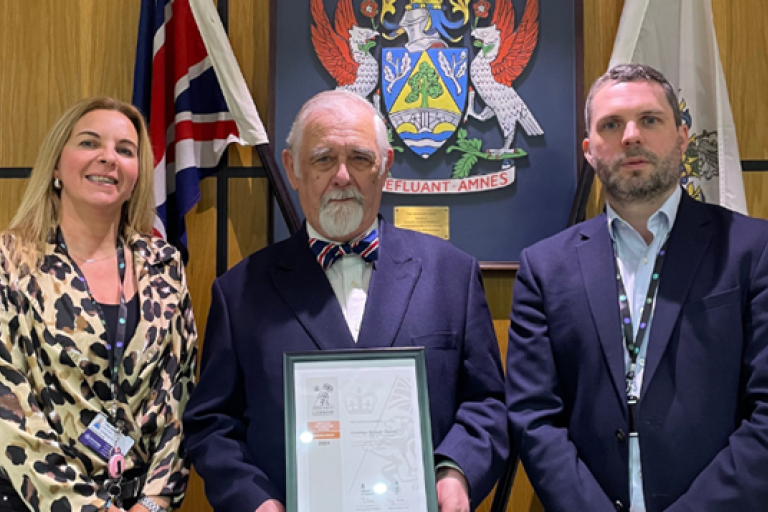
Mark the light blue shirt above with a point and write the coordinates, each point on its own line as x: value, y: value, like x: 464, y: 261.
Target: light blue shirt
x: 636, y: 261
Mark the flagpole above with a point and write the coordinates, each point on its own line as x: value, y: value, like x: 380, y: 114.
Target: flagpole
x: 276, y: 183
x: 581, y: 198
x: 266, y: 154
x: 504, y: 485
x: 278, y: 187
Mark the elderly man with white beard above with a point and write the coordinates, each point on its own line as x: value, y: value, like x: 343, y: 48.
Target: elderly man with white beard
x: 347, y: 280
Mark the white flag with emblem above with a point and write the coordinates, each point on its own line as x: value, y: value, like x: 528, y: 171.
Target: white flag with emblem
x: 677, y: 37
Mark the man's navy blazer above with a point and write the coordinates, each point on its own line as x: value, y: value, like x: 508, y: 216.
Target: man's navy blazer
x: 423, y: 292
x: 703, y: 410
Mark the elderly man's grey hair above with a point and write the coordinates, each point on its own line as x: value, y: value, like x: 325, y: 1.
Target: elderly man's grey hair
x: 335, y: 101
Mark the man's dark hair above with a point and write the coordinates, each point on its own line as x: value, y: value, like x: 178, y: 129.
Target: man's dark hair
x: 633, y: 73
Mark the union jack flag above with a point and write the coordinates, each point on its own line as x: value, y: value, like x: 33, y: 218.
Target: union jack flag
x: 188, y: 84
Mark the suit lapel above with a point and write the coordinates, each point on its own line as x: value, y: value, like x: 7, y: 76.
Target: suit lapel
x: 598, y: 270
x: 301, y: 282
x: 687, y: 245
x: 392, y: 282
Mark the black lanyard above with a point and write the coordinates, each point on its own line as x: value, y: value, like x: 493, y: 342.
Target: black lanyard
x: 631, y: 341
x: 116, y: 343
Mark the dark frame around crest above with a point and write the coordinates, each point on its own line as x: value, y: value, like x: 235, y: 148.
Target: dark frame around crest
x: 493, y: 226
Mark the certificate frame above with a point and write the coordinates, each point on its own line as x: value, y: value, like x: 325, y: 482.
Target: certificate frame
x: 359, y: 366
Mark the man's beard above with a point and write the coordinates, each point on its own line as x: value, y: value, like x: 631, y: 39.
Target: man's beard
x: 636, y: 188
x: 340, y: 219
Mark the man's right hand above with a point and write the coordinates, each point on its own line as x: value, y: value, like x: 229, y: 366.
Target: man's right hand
x: 271, y: 506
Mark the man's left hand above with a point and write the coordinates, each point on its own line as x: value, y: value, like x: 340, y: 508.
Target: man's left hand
x: 452, y: 491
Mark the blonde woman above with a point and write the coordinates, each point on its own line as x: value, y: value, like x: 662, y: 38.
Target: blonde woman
x: 97, y: 336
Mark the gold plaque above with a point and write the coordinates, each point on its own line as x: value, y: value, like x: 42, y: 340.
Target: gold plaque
x: 432, y: 220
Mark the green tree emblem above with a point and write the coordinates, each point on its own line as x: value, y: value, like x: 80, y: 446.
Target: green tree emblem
x: 424, y: 84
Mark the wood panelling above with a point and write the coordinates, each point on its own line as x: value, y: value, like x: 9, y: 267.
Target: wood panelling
x: 11, y: 191
x: 756, y: 188
x: 601, y: 21
x: 54, y: 52
x: 201, y: 271
x: 247, y: 216
x: 743, y: 41
x: 107, y: 30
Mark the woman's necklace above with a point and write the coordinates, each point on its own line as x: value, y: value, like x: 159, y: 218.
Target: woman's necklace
x: 92, y: 260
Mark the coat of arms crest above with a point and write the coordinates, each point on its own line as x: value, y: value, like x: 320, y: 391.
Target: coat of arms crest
x: 424, y: 64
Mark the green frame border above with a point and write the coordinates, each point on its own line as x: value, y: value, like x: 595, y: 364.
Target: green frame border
x: 427, y: 451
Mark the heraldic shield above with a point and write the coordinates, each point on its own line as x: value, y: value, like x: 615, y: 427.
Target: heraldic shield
x: 425, y: 95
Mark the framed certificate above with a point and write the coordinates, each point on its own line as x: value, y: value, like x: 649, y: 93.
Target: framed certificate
x: 358, y: 435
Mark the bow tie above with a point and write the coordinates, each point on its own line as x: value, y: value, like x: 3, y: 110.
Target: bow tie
x: 327, y: 252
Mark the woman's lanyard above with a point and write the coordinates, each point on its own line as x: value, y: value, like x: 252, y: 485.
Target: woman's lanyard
x: 635, y: 342
x: 116, y: 343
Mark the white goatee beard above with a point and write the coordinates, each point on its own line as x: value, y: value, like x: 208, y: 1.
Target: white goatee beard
x: 340, y: 219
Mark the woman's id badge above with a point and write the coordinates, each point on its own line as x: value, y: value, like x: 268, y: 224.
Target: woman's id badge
x: 101, y: 437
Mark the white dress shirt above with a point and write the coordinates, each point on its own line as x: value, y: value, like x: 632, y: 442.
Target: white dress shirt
x: 636, y: 261
x: 350, y: 277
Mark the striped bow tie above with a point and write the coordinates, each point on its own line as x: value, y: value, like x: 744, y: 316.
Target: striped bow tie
x: 327, y: 253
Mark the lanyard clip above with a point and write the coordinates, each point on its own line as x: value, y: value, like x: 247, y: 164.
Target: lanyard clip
x: 633, y: 415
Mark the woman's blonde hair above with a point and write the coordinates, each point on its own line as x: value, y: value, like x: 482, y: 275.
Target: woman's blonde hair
x: 40, y: 210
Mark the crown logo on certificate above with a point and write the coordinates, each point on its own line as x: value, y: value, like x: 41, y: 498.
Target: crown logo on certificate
x: 361, y: 402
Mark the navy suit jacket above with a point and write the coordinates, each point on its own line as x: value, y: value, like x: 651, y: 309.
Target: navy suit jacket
x: 423, y: 292
x: 703, y: 410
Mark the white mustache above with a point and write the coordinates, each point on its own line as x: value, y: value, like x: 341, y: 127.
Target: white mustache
x: 346, y: 193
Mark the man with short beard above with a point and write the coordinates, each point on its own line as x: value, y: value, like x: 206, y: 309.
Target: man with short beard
x: 346, y: 280
x: 637, y: 366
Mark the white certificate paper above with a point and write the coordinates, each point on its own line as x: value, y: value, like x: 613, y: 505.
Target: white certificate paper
x: 358, y: 437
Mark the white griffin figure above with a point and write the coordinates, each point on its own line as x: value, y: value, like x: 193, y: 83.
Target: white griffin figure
x: 503, y: 55
x: 344, y: 50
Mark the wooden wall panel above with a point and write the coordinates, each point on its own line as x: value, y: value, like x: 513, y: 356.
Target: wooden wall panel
x: 11, y: 191
x: 743, y: 41
x: 247, y: 197
x: 601, y: 21
x: 756, y: 188
x: 52, y: 53
x: 201, y: 271
x: 107, y: 47
x: 30, y: 94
